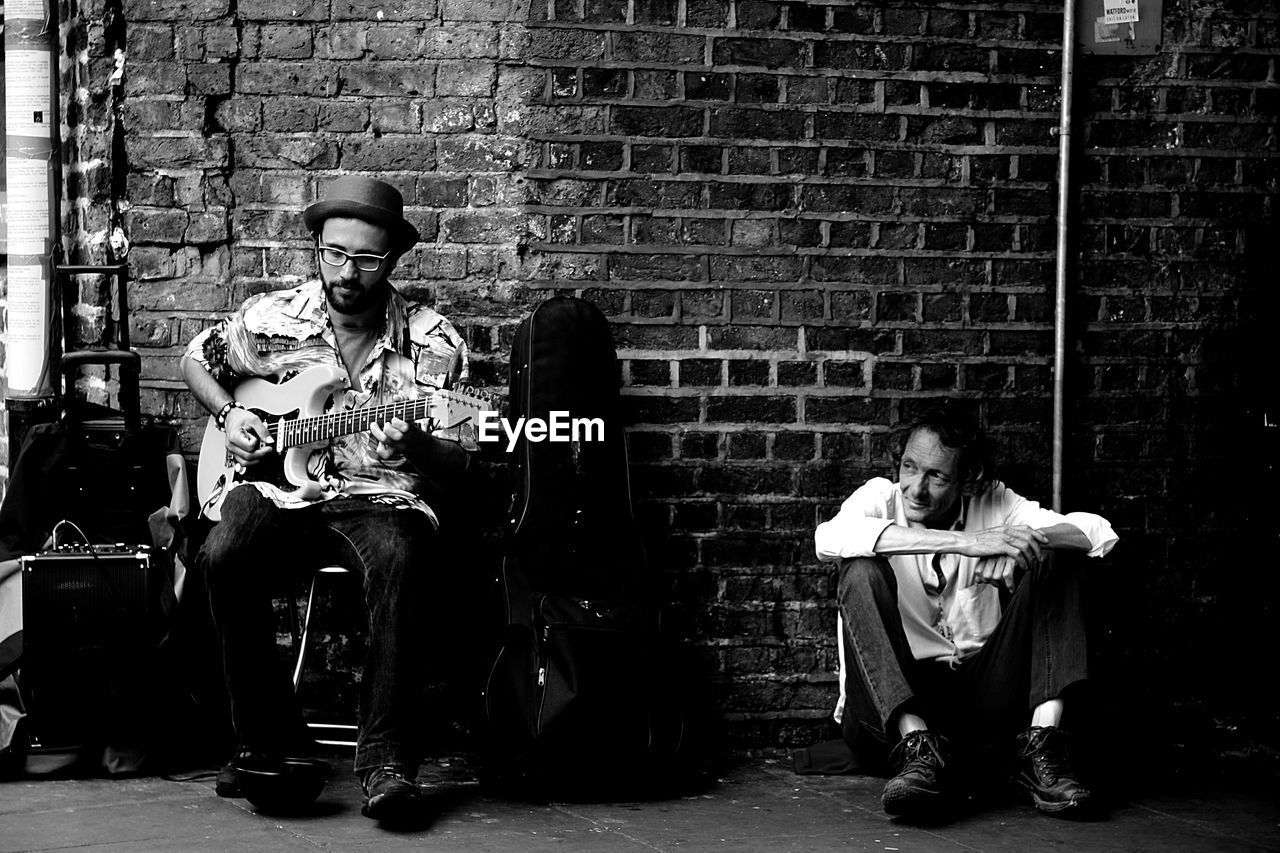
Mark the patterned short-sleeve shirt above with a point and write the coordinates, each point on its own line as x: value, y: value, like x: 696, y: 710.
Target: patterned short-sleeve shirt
x: 278, y: 335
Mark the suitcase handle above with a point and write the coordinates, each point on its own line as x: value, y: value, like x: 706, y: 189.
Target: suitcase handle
x: 130, y: 364
x: 125, y: 359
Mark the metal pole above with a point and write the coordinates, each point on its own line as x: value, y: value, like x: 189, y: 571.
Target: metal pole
x: 1060, y: 298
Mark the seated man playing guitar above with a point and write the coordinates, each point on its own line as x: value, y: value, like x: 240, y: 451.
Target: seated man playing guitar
x: 364, y: 488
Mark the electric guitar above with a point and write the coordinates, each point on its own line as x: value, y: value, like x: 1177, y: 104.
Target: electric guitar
x: 297, y: 418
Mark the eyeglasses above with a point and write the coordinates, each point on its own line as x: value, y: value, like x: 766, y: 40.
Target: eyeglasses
x: 338, y: 258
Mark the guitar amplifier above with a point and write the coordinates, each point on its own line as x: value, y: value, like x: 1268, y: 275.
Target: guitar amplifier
x: 90, y: 615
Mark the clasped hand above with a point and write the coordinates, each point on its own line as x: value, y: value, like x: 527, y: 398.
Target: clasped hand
x: 1004, y: 550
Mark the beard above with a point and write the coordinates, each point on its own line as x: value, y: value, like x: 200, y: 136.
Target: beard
x: 355, y: 299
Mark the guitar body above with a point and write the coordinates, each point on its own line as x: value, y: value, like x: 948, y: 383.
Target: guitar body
x: 299, y: 417
x: 307, y: 394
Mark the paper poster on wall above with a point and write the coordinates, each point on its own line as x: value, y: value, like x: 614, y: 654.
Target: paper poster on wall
x: 1105, y: 33
x: 27, y: 108
x: 1119, y: 27
x: 15, y: 10
x: 1120, y: 11
x: 28, y: 205
x: 27, y: 353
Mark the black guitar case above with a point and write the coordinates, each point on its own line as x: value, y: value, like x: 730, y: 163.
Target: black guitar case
x: 577, y: 700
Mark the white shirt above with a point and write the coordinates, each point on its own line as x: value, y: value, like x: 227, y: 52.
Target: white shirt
x: 946, y: 615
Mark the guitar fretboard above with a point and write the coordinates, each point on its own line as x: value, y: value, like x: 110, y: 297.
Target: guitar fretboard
x: 308, y: 430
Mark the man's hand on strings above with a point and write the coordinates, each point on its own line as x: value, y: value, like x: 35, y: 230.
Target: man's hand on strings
x: 397, y: 438
x: 248, y: 439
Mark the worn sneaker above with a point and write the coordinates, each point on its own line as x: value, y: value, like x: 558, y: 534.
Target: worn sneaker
x: 1044, y: 772
x: 390, y: 796
x: 920, y: 762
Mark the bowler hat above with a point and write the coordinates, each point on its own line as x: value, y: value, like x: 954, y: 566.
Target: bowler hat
x: 365, y: 198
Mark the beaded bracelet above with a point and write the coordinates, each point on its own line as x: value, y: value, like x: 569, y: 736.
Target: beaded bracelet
x: 220, y: 419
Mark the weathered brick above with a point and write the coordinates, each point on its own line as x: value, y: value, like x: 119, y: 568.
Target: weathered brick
x: 293, y: 10
x: 858, y: 126
x: 467, y: 79
x: 371, y: 10
x: 936, y: 342
x: 748, y: 305
x: 281, y: 78
x: 748, y: 373
x: 655, y: 85
x: 951, y: 57
x: 647, y: 193
x: 658, y: 47
x: 141, y: 115
x: 579, y: 45
x: 209, y: 226
x: 480, y: 154
x: 291, y: 115
x: 751, y: 338
x: 156, y: 225
x: 178, y: 152
x: 768, y: 53
x: 755, y: 408
x: 860, y: 55
x: 856, y: 235
x: 155, y: 43
x: 706, y: 13
x: 845, y: 409
x: 176, y: 10
x: 656, y: 121
x: 942, y: 201
x: 285, y: 152
x: 208, y: 78
x: 386, y: 79
x: 740, y: 196
x: 862, y: 270
x: 844, y: 198
x: 156, y: 78
x: 478, y: 10
x: 707, y: 86
x: 664, y: 267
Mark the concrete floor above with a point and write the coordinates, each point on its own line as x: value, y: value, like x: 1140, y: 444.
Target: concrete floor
x: 756, y: 805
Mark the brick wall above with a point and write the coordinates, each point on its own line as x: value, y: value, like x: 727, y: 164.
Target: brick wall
x: 235, y: 116
x: 806, y: 220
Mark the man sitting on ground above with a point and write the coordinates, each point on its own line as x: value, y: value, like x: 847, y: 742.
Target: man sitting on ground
x: 960, y: 620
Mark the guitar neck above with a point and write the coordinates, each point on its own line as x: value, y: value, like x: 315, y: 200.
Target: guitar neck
x: 315, y: 428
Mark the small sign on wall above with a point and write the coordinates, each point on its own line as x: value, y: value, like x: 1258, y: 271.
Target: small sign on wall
x: 1119, y: 26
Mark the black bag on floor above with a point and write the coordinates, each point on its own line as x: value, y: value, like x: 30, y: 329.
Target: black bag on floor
x: 92, y: 673
x: 581, y: 698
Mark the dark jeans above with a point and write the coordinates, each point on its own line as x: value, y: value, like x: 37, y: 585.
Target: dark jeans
x: 1035, y: 653
x: 258, y: 550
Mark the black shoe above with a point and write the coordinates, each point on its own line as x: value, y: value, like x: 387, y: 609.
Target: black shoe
x: 920, y: 762
x: 391, y: 796
x: 1044, y: 772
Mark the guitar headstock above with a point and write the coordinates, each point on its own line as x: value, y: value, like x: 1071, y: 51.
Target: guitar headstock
x: 454, y: 412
